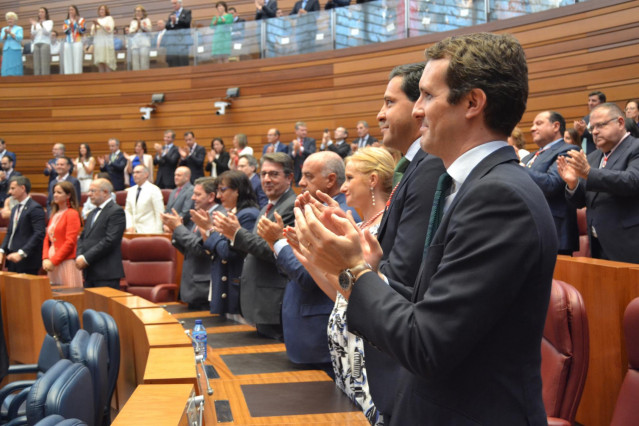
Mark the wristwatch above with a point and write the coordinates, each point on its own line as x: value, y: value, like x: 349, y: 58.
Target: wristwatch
x: 347, y: 276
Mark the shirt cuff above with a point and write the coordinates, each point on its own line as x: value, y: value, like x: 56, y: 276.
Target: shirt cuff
x: 279, y: 245
x: 572, y: 191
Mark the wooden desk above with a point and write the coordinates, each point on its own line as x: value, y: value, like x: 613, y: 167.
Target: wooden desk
x: 98, y: 298
x: 156, y: 405
x: 170, y: 365
x: 135, y: 302
x: 607, y: 288
x: 25, y: 295
x: 150, y: 316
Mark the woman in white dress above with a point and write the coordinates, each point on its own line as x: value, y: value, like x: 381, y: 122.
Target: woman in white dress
x: 139, y: 39
x: 102, y: 32
x: 72, y: 51
x: 41, y: 35
x: 84, y: 166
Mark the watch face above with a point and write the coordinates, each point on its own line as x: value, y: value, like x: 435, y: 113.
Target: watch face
x: 345, y: 279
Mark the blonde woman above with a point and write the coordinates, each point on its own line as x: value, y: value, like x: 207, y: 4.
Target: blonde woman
x: 139, y: 37
x: 11, y: 37
x: 102, y: 32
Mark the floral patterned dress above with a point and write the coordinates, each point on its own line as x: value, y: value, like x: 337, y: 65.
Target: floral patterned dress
x: 347, y: 356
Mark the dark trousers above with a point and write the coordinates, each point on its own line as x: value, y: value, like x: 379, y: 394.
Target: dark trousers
x: 21, y: 268
x: 102, y: 283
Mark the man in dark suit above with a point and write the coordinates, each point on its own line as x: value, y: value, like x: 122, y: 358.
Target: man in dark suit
x: 363, y: 136
x: 607, y: 184
x: 300, y: 148
x: 196, y: 272
x: 262, y: 286
x: 583, y: 126
x: 114, y: 164
x: 178, y: 37
x: 22, y: 245
x: 340, y: 145
x: 247, y: 164
x: 265, y: 9
x: 305, y: 24
x: 547, y: 132
x: 192, y: 156
x: 166, y: 158
x: 4, y: 151
x: 6, y: 174
x: 63, y: 172
x: 274, y: 144
x: 474, y: 297
x: 180, y: 198
x: 99, y: 251
x: 305, y: 307
x: 58, y: 151
x: 402, y: 231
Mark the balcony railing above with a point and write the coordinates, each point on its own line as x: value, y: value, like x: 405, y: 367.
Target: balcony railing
x: 356, y: 25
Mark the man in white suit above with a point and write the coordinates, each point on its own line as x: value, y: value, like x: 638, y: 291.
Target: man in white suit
x: 144, y: 204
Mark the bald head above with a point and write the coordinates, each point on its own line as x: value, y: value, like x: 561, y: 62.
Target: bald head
x: 323, y: 171
x: 181, y: 176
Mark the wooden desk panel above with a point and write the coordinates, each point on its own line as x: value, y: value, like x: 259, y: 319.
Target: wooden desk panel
x: 607, y: 288
x: 150, y: 316
x: 98, y: 298
x: 156, y: 405
x: 135, y: 302
x: 170, y: 365
x: 3, y: 306
x: 23, y: 317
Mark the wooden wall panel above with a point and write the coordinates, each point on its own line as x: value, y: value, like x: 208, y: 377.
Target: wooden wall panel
x: 571, y: 51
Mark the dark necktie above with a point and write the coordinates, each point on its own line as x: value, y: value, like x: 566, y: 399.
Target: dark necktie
x: 436, y: 213
x: 138, y: 194
x: 400, y: 169
x: 16, y: 218
x: 269, y: 207
x: 95, y: 216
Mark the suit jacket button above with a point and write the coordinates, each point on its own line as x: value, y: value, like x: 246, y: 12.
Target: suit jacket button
x: 223, y: 296
x: 224, y: 279
x: 213, y: 257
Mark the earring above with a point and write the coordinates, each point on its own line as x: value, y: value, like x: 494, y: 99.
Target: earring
x: 373, y: 196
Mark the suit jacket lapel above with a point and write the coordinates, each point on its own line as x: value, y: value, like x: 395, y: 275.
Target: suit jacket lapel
x: 407, y: 175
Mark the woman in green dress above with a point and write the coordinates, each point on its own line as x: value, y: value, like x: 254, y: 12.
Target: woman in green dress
x: 222, y: 36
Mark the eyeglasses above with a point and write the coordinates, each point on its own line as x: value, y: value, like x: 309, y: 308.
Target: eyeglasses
x: 272, y: 174
x: 222, y: 188
x: 599, y: 126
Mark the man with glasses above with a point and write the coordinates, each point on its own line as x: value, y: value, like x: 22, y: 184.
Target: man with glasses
x: 262, y: 286
x: 99, y: 246
x: 607, y: 183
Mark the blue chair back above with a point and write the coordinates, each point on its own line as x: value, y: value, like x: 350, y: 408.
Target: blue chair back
x: 56, y: 420
x: 65, y: 389
x: 61, y: 322
x: 91, y: 351
x: 104, y: 324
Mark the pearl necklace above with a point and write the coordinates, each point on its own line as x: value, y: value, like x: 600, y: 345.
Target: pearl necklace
x: 364, y: 225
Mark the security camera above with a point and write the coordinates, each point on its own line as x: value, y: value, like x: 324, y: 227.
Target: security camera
x: 221, y: 107
x: 146, y: 112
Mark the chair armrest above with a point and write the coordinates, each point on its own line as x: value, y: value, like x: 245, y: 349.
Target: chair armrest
x: 16, y: 402
x: 164, y: 293
x: 23, y: 368
x: 555, y: 421
x: 7, y: 392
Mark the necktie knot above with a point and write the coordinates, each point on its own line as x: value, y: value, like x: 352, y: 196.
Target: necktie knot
x: 400, y: 169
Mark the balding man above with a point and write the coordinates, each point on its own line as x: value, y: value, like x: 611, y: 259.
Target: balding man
x: 144, y: 204
x: 547, y: 132
x: 305, y: 335
x: 99, y: 246
x: 274, y: 144
x: 607, y: 184
x: 180, y: 198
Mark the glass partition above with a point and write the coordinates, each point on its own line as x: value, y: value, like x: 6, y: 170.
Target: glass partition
x: 356, y: 25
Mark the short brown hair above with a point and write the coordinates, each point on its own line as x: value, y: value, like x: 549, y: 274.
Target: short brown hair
x: 493, y: 63
x: 280, y: 158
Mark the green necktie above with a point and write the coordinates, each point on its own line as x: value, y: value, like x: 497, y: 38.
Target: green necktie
x: 400, y: 168
x: 443, y: 185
